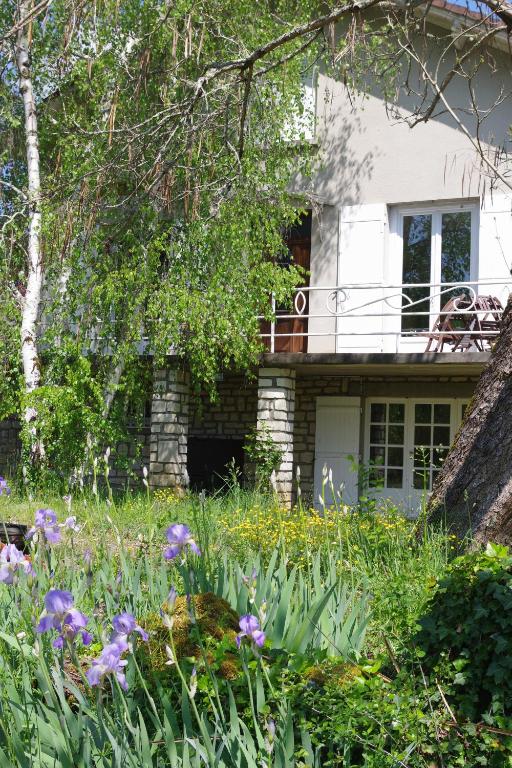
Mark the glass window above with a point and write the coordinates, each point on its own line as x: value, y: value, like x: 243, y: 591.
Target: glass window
x: 436, y: 250
x: 378, y: 413
x: 431, y: 442
x: 387, y: 430
x: 456, y: 247
x: 417, y: 253
x: 409, y: 442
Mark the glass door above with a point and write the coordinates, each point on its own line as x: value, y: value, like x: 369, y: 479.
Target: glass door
x: 406, y: 444
x: 438, y: 248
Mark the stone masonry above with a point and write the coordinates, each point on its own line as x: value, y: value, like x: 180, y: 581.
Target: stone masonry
x: 232, y: 415
x: 276, y: 411
x: 169, y: 429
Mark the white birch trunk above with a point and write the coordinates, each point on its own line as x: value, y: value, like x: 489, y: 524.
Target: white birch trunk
x: 32, y: 298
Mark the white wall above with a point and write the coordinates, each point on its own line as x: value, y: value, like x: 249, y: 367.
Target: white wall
x: 369, y: 159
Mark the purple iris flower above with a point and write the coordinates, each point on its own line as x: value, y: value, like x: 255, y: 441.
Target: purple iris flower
x: 179, y: 537
x: 4, y: 488
x: 12, y: 561
x: 250, y: 628
x: 71, y: 524
x: 46, y: 523
x: 61, y: 615
x: 108, y: 663
x: 124, y: 625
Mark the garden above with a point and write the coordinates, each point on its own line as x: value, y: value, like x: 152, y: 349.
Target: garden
x: 157, y: 629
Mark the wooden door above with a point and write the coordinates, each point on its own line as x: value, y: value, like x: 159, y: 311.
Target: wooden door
x: 298, y: 240
x: 337, y: 446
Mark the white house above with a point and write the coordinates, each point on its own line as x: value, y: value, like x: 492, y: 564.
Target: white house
x: 366, y: 368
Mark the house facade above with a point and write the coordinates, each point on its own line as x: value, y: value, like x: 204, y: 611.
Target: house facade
x: 408, y: 250
x: 409, y: 256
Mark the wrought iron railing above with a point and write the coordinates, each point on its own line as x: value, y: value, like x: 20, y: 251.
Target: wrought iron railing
x: 456, y: 316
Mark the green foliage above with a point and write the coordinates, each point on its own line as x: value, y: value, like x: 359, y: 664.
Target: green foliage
x: 165, y: 194
x: 69, y: 413
x: 364, y: 719
x: 339, y: 672
x: 264, y: 453
x: 466, y: 634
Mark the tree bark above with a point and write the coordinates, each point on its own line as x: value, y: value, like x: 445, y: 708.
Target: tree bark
x: 32, y: 298
x: 473, y: 493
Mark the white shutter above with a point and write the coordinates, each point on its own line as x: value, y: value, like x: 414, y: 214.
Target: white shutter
x: 362, y: 243
x: 495, y: 245
x: 337, y: 438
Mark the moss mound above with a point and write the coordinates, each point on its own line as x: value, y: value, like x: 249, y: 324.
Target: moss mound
x: 338, y: 674
x: 216, y: 625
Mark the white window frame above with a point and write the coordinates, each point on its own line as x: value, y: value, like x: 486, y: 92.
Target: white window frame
x: 436, y: 210
x: 409, y: 402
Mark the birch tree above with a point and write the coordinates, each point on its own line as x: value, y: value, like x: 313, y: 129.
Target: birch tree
x: 30, y: 299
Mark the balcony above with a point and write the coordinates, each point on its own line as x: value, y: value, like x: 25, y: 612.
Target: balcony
x: 452, y: 318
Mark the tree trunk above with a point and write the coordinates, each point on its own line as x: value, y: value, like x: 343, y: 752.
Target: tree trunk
x: 32, y: 298
x: 474, y: 489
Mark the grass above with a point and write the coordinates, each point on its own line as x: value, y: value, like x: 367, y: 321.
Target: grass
x: 379, y: 552
x: 339, y: 680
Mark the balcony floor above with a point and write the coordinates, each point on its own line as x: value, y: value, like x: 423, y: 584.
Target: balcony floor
x: 380, y: 363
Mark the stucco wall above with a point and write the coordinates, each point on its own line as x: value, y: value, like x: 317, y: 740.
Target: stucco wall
x: 367, y: 157
x: 370, y: 156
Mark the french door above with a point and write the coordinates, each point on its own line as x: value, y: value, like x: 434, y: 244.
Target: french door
x: 406, y: 443
x: 437, y: 247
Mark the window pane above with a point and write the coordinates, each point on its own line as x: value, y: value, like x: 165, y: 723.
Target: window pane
x: 394, y: 478
x: 417, y: 243
x: 395, y: 457
x: 441, y: 436
x: 455, y: 248
x: 378, y: 412
x: 395, y: 435
x: 377, y: 434
x: 396, y: 412
x: 422, y: 435
x: 423, y: 413
x: 421, y: 479
x: 377, y: 454
x: 442, y: 414
x: 376, y: 478
x: 439, y: 455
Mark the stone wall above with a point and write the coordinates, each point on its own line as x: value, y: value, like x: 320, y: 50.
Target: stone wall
x: 233, y: 415
x: 169, y: 429
x: 10, y: 445
x: 308, y: 389
x: 276, y: 412
x: 134, y: 452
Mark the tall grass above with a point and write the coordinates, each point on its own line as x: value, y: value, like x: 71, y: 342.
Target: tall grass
x: 343, y: 585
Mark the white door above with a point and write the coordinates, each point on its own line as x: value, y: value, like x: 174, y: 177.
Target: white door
x: 337, y: 445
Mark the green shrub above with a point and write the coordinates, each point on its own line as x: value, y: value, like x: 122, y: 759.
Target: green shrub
x: 360, y: 718
x: 265, y: 454
x: 466, y: 634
